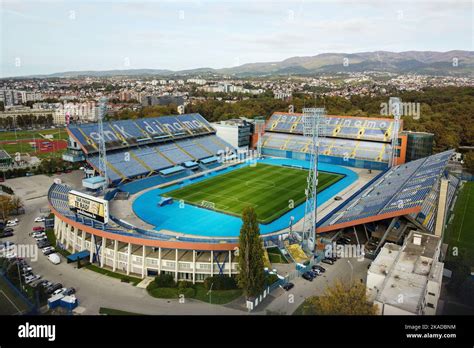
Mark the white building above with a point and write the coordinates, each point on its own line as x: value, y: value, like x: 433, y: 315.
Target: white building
x: 197, y: 81
x: 236, y: 132
x: 82, y: 112
x: 406, y: 280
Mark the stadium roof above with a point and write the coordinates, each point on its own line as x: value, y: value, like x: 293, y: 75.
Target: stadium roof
x: 402, y: 190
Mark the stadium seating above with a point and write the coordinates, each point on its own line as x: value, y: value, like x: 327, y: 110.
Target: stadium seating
x: 355, y: 141
x: 126, y: 133
x: 329, y: 146
x: 402, y: 187
x: 364, y: 128
x: 144, y: 160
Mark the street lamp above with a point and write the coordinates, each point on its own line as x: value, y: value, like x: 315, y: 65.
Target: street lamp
x: 352, y: 269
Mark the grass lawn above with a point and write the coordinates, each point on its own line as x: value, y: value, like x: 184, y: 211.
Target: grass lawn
x: 111, y: 311
x: 275, y: 256
x: 123, y: 277
x: 197, y: 292
x: 269, y: 189
x: 460, y: 232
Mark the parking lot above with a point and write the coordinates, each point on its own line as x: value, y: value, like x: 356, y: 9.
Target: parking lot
x: 286, y: 302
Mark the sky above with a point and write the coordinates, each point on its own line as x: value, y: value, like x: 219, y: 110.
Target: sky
x: 42, y: 37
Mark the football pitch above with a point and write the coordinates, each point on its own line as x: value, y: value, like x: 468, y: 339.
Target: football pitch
x: 460, y: 231
x: 271, y: 190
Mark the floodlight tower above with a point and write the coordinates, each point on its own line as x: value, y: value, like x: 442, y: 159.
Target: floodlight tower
x: 314, y: 126
x: 259, y: 130
x: 395, y: 105
x: 102, y: 149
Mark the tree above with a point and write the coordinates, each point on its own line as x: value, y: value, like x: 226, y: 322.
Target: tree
x: 6, y: 206
x: 469, y: 161
x: 16, y: 203
x: 340, y: 300
x: 251, y: 276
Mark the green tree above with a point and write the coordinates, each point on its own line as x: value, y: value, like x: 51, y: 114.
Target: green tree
x: 16, y: 203
x: 340, y: 300
x: 469, y: 161
x: 251, y: 276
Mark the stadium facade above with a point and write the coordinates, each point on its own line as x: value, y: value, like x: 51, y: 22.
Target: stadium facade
x: 161, y: 151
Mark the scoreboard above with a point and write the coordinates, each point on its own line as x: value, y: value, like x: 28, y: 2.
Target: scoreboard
x: 89, y: 206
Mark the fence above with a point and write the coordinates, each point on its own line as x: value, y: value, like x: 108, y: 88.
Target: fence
x: 300, y: 269
x: 32, y: 309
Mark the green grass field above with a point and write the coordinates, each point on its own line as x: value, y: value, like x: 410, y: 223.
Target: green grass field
x: 275, y: 256
x: 57, y: 133
x: 271, y: 190
x: 460, y: 232
x: 10, y: 144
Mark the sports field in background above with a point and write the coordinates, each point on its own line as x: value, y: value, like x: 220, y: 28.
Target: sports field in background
x: 460, y: 232
x: 21, y: 141
x: 269, y: 189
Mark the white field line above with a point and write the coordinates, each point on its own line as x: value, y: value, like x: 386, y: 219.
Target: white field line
x: 8, y: 298
x: 464, y: 214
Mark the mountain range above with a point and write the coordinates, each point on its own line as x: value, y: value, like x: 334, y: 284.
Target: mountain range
x: 455, y: 62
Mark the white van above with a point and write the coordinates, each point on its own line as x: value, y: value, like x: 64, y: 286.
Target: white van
x: 54, y: 258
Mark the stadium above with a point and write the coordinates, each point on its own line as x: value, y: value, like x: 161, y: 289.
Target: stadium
x: 176, y: 191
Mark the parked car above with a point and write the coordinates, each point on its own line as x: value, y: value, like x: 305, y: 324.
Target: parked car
x: 8, y: 229
x: 53, y: 288
x: 320, y: 268
x: 46, y: 249
x: 38, y: 229
x: 39, y: 219
x: 45, y: 283
x: 31, y: 278
x: 6, y: 234
x: 58, y: 291
x: 314, y: 273
x: 315, y: 270
x: 11, y: 223
x: 328, y: 261
x: 54, y: 258
x: 39, y: 236
x: 43, y: 243
x: 26, y: 268
x: 71, y: 291
x: 308, y: 276
x: 288, y: 286
x: 6, y: 246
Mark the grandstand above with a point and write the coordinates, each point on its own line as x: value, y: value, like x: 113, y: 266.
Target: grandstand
x: 145, y: 147
x: 351, y: 141
x: 410, y: 190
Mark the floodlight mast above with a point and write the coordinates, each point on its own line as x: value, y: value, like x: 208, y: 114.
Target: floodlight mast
x: 395, y: 105
x: 259, y: 130
x: 102, y: 148
x: 314, y: 126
